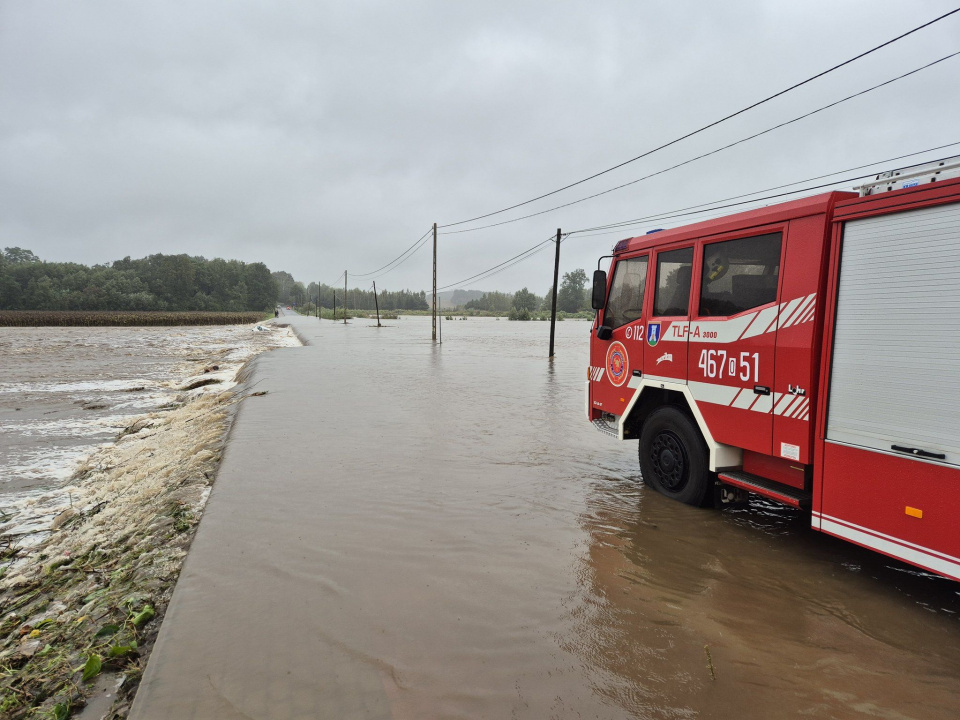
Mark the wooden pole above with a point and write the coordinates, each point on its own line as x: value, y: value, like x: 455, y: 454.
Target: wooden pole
x: 344, y: 297
x: 376, y: 301
x: 556, y: 276
x: 434, y: 282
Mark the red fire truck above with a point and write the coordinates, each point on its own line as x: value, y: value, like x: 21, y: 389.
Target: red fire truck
x: 807, y: 352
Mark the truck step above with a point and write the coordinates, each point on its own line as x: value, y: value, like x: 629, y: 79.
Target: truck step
x: 768, y: 488
x: 606, y: 428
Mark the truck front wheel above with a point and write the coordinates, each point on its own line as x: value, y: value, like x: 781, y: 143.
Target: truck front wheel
x: 673, y: 457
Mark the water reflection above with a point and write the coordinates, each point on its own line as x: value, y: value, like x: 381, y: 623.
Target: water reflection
x: 747, y: 614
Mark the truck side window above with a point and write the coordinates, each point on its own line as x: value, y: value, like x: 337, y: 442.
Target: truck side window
x: 739, y: 274
x: 674, y: 269
x: 625, y: 303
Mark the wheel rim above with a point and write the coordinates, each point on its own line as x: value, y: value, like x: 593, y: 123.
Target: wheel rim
x: 670, y: 462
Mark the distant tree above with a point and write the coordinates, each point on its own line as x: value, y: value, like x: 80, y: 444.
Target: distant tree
x: 572, y: 296
x: 10, y: 293
x: 460, y: 297
x: 19, y: 256
x: 525, y: 300
x: 262, y: 289
x: 547, y: 303
x: 492, y: 302
x: 298, y: 293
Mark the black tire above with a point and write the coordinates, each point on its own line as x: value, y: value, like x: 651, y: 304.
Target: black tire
x: 674, y: 458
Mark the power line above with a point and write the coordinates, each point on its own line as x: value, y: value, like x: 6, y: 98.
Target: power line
x: 710, y: 125
x: 711, y: 152
x: 691, y: 210
x: 421, y: 242
x: 374, y: 272
x: 687, y: 210
x: 537, y: 251
x: 479, y: 275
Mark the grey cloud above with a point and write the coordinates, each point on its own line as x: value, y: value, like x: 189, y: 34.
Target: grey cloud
x: 318, y: 136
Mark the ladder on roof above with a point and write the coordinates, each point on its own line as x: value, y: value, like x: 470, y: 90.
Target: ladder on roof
x: 912, y: 176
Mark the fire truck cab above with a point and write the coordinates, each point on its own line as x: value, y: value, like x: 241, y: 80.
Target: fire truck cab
x: 806, y: 352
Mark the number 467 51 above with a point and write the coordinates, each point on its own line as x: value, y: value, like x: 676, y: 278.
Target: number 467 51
x: 716, y: 364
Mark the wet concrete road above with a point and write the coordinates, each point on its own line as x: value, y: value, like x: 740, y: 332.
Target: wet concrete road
x: 400, y: 530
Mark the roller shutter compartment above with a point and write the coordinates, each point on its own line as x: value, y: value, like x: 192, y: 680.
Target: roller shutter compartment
x: 895, y: 378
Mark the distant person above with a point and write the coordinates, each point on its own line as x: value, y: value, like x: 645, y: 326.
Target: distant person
x: 276, y: 312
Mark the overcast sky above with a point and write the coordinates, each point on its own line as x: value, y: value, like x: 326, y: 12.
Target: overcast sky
x: 317, y: 136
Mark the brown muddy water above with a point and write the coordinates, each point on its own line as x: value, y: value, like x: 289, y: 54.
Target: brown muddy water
x: 437, y: 532
x: 65, y: 391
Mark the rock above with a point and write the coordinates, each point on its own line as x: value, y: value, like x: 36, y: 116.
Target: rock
x: 29, y: 648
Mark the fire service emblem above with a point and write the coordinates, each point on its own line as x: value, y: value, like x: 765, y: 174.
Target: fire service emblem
x: 618, y: 364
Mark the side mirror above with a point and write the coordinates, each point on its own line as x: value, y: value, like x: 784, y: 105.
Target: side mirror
x: 604, y: 332
x: 599, y: 298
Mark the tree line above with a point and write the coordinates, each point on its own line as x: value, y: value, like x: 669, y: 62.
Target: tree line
x: 293, y: 292
x: 156, y: 282
x: 193, y: 283
x: 571, y: 298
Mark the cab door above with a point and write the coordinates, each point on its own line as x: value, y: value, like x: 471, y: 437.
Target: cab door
x: 668, y: 320
x: 615, y: 360
x: 733, y: 338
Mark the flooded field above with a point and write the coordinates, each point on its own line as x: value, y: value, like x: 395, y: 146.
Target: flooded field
x: 65, y: 391
x: 437, y: 532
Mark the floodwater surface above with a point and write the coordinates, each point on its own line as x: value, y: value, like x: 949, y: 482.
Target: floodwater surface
x: 438, y: 532
x: 65, y: 391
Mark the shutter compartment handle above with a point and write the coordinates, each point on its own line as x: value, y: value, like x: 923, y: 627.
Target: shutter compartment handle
x: 917, y: 452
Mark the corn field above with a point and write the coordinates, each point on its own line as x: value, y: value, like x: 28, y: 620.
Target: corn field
x: 133, y: 318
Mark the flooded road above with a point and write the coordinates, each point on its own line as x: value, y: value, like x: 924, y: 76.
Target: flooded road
x: 402, y: 530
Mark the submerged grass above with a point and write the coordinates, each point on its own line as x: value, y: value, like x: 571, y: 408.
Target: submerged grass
x: 124, y: 318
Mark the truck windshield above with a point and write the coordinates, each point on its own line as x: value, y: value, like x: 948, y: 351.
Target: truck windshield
x: 625, y: 303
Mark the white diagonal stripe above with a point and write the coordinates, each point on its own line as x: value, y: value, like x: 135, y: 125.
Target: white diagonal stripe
x: 763, y: 404
x: 785, y: 401
x: 713, y: 393
x: 744, y: 399
x: 787, y: 309
x: 808, y: 316
x: 762, y: 323
x: 797, y: 409
x: 800, y: 311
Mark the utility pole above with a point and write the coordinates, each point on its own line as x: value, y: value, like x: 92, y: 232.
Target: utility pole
x: 556, y: 276
x: 344, y: 297
x: 434, y: 282
x: 377, y: 301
